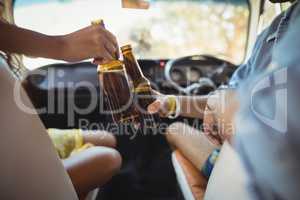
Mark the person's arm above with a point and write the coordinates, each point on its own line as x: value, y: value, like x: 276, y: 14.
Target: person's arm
x: 90, y: 42
x: 22, y: 41
x: 192, y: 106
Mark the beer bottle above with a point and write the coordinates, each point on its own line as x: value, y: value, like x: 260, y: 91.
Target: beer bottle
x: 141, y: 85
x: 149, y: 136
x: 133, y: 68
x: 115, y: 86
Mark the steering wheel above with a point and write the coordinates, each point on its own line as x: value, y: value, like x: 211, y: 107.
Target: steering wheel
x: 220, y: 71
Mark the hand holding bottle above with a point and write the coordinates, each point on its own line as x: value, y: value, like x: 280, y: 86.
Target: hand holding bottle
x: 91, y: 42
x: 164, y: 105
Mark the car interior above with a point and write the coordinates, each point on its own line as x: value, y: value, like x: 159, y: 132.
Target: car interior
x: 174, y: 65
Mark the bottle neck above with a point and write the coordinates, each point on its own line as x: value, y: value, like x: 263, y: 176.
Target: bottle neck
x: 133, y: 69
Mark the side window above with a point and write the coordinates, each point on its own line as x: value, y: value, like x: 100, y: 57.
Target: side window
x: 271, y: 10
x: 269, y: 13
x: 285, y: 6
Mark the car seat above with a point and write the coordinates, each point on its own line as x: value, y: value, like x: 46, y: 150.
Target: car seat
x: 228, y: 180
x: 30, y: 167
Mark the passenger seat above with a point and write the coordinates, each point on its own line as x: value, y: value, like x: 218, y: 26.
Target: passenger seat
x: 30, y: 167
x: 228, y: 180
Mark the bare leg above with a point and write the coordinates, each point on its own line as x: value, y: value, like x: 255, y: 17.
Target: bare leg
x: 192, y: 143
x: 92, y: 168
x: 99, y: 138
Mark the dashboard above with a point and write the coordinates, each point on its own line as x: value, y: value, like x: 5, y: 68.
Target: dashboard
x: 183, y: 73
x: 186, y: 72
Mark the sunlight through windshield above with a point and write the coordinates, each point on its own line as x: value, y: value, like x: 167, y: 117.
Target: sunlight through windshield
x: 169, y: 29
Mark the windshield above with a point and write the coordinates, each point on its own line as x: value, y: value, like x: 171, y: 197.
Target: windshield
x: 168, y: 29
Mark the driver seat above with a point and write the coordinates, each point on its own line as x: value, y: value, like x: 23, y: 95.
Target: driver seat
x: 30, y: 167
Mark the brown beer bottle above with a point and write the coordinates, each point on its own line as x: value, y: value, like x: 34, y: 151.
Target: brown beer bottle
x: 115, y: 86
x: 141, y: 85
x: 150, y: 133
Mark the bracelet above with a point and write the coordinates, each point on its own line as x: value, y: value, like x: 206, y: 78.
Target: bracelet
x: 174, y: 107
x: 78, y: 138
x: 208, y: 96
x: 208, y: 166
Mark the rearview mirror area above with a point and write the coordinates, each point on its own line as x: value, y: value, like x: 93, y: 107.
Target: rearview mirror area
x: 136, y: 4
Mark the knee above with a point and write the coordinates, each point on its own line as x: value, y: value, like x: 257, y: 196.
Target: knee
x: 110, y: 157
x: 170, y: 138
x: 173, y: 133
x: 115, y: 160
x: 92, y: 168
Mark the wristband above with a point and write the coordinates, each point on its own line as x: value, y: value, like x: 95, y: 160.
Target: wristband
x: 174, y: 108
x: 208, y: 166
x: 78, y: 138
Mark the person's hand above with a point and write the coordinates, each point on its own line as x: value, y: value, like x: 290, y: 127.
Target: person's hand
x: 91, y: 42
x: 161, y: 105
x: 209, y: 120
x: 219, y: 116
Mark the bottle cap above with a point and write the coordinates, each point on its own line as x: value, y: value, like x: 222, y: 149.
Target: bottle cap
x: 98, y: 22
x: 126, y: 48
